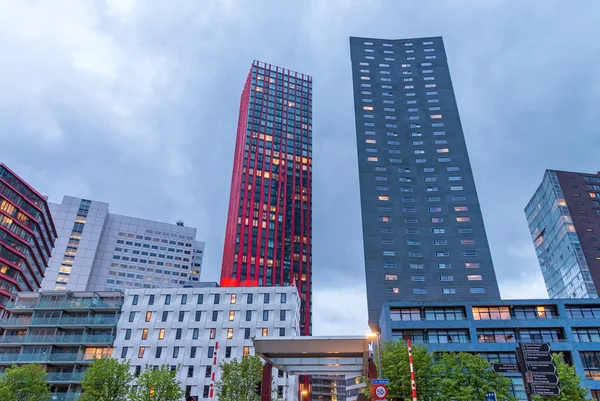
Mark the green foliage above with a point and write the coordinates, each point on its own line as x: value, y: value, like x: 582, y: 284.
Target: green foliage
x: 395, y: 366
x: 467, y: 377
x: 24, y: 383
x: 158, y: 385
x: 238, y: 378
x: 569, y: 383
x: 107, y: 379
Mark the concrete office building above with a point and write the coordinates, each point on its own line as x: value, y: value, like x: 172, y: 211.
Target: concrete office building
x: 63, y: 331
x: 268, y: 237
x: 564, y: 221
x: 100, y: 251
x: 198, y: 328
x: 328, y: 388
x: 27, y: 236
x: 423, y: 232
x: 492, y: 329
x: 354, y: 386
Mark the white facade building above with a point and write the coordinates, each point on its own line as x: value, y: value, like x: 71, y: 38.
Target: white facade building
x: 198, y: 328
x: 100, y: 251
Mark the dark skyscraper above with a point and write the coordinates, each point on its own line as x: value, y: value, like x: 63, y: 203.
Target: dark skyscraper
x: 563, y: 221
x: 268, y: 235
x: 27, y: 236
x: 424, y: 237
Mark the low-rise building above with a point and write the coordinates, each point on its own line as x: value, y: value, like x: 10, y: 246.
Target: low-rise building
x: 199, y: 328
x: 63, y: 331
x: 493, y: 330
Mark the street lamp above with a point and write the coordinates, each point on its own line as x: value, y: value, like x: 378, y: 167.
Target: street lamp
x: 379, y: 372
x: 302, y: 394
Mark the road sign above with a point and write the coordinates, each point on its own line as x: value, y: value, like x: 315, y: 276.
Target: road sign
x: 380, y: 381
x: 505, y: 367
x: 491, y: 396
x: 541, y: 378
x: 381, y: 392
x: 537, y: 357
x: 541, y: 368
x: 545, y: 389
x: 535, y: 347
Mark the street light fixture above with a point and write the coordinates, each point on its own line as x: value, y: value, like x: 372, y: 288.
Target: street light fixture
x: 302, y: 394
x: 377, y: 335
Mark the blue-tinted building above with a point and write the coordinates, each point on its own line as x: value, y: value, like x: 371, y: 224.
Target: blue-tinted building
x: 423, y: 232
x: 492, y: 329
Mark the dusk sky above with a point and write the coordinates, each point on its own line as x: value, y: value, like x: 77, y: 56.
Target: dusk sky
x: 135, y: 103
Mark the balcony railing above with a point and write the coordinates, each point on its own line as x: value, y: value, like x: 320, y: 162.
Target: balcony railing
x: 62, y: 377
x: 58, y: 339
x: 80, y: 304
x: 48, y: 357
x: 64, y: 396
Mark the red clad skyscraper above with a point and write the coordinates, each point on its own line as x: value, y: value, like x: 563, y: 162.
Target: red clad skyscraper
x: 27, y: 236
x: 268, y: 238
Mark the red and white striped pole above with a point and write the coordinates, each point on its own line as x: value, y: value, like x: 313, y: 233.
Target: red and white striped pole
x: 412, y: 371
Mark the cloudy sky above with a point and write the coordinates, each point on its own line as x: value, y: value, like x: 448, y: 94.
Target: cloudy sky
x: 135, y: 103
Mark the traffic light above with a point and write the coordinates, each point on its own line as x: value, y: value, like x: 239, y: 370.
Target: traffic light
x: 256, y: 388
x: 191, y: 398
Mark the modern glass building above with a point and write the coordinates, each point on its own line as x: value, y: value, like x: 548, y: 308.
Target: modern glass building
x: 423, y: 232
x: 493, y: 329
x: 268, y: 235
x: 563, y: 217
x: 27, y: 236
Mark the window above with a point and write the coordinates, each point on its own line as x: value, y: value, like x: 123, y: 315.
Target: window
x: 183, y: 299
x: 442, y: 254
x: 246, y: 351
x: 465, y: 230
x: 415, y: 254
x: 477, y: 290
x: 496, y: 335
x: 141, y: 352
x: 585, y: 334
x: 248, y: 315
x: 385, y: 219
x: 228, y: 352
x: 463, y: 219
x: 591, y: 364
x: 131, y: 316
x: 417, y: 266
x: 246, y: 333
x: 215, y: 315
x: 128, y: 334
x: 389, y: 265
x: 233, y: 299
x: 265, y: 332
x: 417, y: 278
x: 468, y: 241
x: 413, y: 242
x: 405, y: 314
x: 195, y: 334
x: 281, y: 334
x: 158, y: 352
x: 265, y: 315
x: 266, y: 298
x: 472, y: 265
x: 165, y: 314
x: 448, y: 290
x: 437, y: 219
x: 231, y: 315
x: 124, y: 353
x: 217, y: 299
x: 151, y: 300
x: 190, y: 372
x: 448, y: 336
x: 168, y: 299
x: 200, y: 299
x: 178, y: 334
x: 535, y: 312
x: 229, y: 333
x: 388, y: 253
x: 135, y: 300
x: 420, y: 291
x: 438, y: 230
x: 249, y: 298
x: 181, y: 316
x: 210, y: 352
x: 470, y: 253
x: 212, y: 333
x: 440, y: 242
x: 161, y: 334
x: 444, y: 265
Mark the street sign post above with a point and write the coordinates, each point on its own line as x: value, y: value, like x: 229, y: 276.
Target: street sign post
x: 505, y: 368
x: 529, y: 348
x: 538, y: 357
x: 380, y: 381
x: 490, y: 396
x: 537, y: 368
x: 541, y: 378
x: 541, y: 368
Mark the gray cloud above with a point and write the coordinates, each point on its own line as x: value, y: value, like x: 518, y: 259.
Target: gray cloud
x: 135, y: 103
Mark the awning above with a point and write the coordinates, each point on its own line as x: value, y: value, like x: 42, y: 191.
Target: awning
x: 327, y: 355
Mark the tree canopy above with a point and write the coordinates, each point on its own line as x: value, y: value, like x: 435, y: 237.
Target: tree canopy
x: 24, y: 383
x: 158, y: 385
x: 107, y: 379
x: 238, y: 378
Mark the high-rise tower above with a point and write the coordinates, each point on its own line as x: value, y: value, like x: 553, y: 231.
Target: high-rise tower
x: 268, y: 235
x: 423, y: 233
x: 27, y: 236
x: 563, y: 221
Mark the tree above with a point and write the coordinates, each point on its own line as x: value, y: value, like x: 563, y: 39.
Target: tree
x: 24, y: 383
x: 107, y: 379
x: 395, y: 366
x: 467, y: 377
x: 158, y: 385
x: 238, y: 379
x: 569, y: 383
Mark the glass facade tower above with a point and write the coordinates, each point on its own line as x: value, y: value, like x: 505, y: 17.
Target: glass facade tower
x: 27, y: 236
x: 563, y: 221
x: 268, y: 235
x: 423, y: 232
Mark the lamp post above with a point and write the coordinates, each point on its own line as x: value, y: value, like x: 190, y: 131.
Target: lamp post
x: 377, y: 335
x: 302, y: 394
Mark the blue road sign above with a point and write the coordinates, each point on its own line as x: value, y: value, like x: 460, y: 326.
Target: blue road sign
x: 380, y: 381
x: 491, y: 396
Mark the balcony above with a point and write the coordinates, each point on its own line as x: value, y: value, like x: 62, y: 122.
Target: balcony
x: 48, y: 357
x: 67, y: 304
x: 64, y: 339
x: 65, y: 377
x: 64, y: 396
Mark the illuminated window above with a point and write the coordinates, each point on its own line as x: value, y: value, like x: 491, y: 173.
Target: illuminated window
x: 471, y: 265
x: 161, y: 334
x: 231, y: 315
x: 371, y: 159
x: 383, y: 198
x: 265, y: 332
x: 145, y: 334
x: 370, y: 141
x: 463, y: 219
x: 246, y: 351
x: 467, y: 241
x: 367, y: 107
x: 233, y: 299
x: 148, y: 316
x: 229, y: 334
x: 141, y: 352
x: 443, y: 150
x: 364, y: 78
x: 474, y: 277
x: 460, y: 208
x: 391, y: 277
x: 385, y: 219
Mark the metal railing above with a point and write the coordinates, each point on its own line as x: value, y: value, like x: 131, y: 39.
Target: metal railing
x: 67, y: 304
x: 55, y: 377
x: 58, y: 339
x: 48, y: 357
